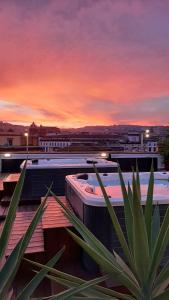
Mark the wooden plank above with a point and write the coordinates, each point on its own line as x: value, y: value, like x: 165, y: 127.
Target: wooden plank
x: 3, y: 212
x: 21, y: 223
x: 53, y: 216
x: 12, y: 177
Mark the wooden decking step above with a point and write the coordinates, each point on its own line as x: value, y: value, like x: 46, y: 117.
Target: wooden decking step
x: 1, y: 189
x: 5, y: 200
x: 21, y: 223
x: 53, y: 216
x: 9, y: 183
x: 3, y: 212
x: 12, y: 177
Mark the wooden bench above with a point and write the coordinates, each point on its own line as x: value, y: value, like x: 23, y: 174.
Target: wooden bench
x: 1, y: 188
x: 53, y: 216
x: 9, y: 183
x: 21, y: 223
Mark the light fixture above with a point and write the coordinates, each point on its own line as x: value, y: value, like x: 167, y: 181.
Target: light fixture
x: 104, y: 155
x: 147, y: 131
x: 147, y: 135
x: 7, y: 154
x: 26, y: 134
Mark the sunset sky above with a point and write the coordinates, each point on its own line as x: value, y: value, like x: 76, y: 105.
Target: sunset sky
x: 72, y: 63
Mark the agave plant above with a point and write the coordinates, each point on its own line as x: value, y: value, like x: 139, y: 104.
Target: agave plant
x: 143, y: 246
x: 9, y: 266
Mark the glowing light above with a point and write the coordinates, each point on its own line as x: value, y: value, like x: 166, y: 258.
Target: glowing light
x: 7, y: 155
x: 104, y: 154
x: 26, y: 134
x: 147, y: 135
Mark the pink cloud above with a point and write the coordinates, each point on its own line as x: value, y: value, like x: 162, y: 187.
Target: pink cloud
x: 56, y: 57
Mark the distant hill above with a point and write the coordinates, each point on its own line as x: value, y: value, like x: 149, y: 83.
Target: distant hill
x: 99, y: 129
x: 105, y: 129
x: 8, y: 127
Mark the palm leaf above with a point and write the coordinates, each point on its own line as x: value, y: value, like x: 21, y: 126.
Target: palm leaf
x: 114, y: 219
x: 84, y: 231
x: 112, y: 269
x: 13, y: 264
x: 9, y: 267
x: 32, y: 285
x: 163, y: 296
x: 11, y: 213
x: 140, y: 240
x: 160, y: 246
x: 155, y: 226
x: 149, y: 205
x: 76, y: 281
x: 127, y: 210
x: 76, y: 290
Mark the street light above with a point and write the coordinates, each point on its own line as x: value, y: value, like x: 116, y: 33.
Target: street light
x: 27, y: 136
x: 146, y: 133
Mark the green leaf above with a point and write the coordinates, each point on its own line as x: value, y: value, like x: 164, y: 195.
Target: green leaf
x: 149, y: 206
x: 162, y: 276
x: 160, y: 246
x: 32, y: 285
x: 129, y: 216
x: 11, y: 213
x: 89, y: 292
x: 90, y: 298
x: 138, y: 181
x: 155, y: 226
x: 76, y: 290
x: 24, y: 243
x: 159, y: 289
x: 125, y: 267
x: 163, y: 296
x: 83, y: 230
x: 140, y: 240
x: 127, y: 199
x: 76, y: 280
x: 114, y: 219
x: 112, y: 269
x: 9, y: 268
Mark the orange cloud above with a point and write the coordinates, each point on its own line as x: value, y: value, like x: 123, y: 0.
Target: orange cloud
x: 74, y: 63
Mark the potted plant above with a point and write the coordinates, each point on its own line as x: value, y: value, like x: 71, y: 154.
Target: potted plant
x: 144, y: 246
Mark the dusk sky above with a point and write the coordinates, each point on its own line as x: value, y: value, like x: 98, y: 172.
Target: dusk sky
x: 71, y: 63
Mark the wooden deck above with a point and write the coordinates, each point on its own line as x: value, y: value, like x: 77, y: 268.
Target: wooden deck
x: 12, y: 177
x: 53, y: 216
x: 1, y: 185
x: 22, y: 221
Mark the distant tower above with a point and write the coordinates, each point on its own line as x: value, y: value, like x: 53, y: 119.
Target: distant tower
x: 33, y: 129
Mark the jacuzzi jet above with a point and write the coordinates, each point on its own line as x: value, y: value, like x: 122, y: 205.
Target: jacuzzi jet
x: 83, y: 176
x: 35, y: 161
x: 91, y: 161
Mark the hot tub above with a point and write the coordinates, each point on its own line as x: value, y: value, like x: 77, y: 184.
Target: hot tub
x: 85, y: 196
x: 40, y: 173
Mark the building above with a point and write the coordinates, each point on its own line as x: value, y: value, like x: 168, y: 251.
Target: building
x: 41, y: 131
x: 10, y: 139
x: 78, y: 141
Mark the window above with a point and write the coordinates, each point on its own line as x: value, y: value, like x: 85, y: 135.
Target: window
x: 10, y: 141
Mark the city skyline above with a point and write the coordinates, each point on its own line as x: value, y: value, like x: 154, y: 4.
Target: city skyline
x: 73, y: 63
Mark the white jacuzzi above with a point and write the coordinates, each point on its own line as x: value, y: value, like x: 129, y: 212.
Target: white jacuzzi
x: 68, y: 162
x: 84, y: 194
x: 40, y: 173
x: 90, y: 192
